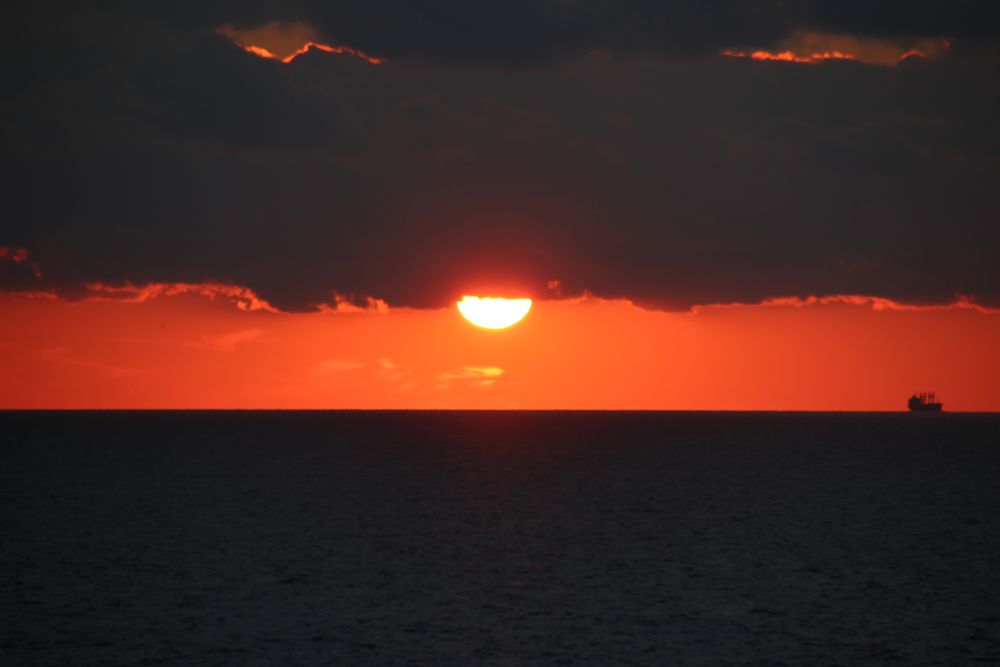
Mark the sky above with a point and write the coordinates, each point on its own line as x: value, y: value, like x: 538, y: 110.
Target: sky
x: 734, y: 205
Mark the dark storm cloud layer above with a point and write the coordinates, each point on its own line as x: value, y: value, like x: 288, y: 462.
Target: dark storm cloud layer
x: 526, y: 32
x: 161, y: 152
x: 538, y: 32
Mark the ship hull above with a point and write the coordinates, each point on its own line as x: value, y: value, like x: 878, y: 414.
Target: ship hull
x: 923, y: 403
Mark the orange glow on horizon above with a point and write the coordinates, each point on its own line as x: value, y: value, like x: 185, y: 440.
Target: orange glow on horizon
x: 212, y: 346
x: 493, y: 312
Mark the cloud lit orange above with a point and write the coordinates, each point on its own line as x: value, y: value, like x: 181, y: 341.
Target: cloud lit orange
x: 287, y: 41
x: 810, y: 47
x: 341, y: 50
x: 789, y: 56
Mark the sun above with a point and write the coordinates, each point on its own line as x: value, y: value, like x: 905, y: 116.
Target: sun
x: 493, y: 312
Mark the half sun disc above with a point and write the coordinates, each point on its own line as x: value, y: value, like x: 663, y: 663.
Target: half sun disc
x: 493, y: 312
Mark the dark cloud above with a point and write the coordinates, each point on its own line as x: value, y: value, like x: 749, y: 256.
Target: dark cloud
x: 495, y: 32
x: 536, y: 32
x: 959, y: 19
x: 672, y: 181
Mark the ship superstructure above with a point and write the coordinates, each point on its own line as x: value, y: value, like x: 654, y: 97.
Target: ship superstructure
x: 924, y: 401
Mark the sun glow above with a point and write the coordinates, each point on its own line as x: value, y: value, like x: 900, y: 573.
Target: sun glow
x: 493, y: 312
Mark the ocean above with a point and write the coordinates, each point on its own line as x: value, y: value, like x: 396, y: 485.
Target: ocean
x: 499, y: 538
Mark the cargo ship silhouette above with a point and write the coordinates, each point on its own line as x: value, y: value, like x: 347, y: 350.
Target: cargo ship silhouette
x: 924, y: 402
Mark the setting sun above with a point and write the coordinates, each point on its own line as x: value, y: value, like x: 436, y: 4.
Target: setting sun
x: 493, y: 312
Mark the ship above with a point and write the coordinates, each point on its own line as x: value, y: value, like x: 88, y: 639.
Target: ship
x: 924, y: 402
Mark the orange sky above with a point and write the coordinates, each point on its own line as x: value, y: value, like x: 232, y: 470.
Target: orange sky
x: 192, y: 351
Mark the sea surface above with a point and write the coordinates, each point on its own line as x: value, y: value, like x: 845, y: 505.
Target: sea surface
x: 499, y: 538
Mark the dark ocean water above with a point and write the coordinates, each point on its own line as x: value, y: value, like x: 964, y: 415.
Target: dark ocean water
x: 505, y: 538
